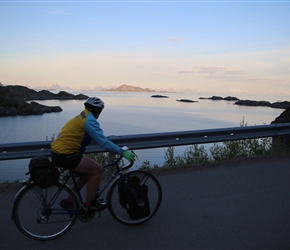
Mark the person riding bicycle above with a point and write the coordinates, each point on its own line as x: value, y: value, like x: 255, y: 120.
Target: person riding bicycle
x: 67, y: 151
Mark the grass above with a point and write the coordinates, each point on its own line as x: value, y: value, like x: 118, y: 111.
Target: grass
x: 227, y: 150
x: 197, y: 154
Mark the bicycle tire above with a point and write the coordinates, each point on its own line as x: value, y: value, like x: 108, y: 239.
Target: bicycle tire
x: 38, y: 215
x: 154, y: 197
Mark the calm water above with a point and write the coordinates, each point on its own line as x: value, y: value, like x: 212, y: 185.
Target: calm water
x: 133, y: 113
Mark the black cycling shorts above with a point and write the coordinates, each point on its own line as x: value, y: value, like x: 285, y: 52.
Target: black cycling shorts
x: 68, y: 161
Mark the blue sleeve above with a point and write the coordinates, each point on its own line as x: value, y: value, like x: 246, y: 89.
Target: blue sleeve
x: 94, y: 130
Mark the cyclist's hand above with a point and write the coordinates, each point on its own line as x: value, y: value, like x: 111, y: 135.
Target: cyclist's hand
x: 129, y: 155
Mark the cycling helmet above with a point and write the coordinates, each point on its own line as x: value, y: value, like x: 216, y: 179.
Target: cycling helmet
x: 94, y: 102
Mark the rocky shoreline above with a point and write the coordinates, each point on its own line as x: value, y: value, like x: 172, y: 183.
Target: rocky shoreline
x: 14, y: 101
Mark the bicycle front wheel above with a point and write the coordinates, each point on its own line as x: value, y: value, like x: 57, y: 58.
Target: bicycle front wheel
x: 149, y: 202
x: 37, y: 212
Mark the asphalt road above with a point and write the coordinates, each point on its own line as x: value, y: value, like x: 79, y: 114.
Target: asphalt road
x: 243, y: 205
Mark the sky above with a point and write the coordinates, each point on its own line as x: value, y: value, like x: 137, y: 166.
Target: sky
x: 199, y: 46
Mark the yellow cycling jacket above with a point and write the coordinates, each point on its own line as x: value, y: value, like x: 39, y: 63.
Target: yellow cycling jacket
x: 78, y: 133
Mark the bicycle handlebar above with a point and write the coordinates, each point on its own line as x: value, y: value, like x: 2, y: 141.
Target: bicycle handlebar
x: 128, y: 166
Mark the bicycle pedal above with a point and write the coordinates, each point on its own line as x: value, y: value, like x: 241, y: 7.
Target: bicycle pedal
x: 86, y: 216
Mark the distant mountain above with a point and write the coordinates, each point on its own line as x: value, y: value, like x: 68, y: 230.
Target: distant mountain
x: 129, y: 88
x: 49, y: 87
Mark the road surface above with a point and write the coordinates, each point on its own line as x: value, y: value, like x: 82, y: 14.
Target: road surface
x: 237, y: 205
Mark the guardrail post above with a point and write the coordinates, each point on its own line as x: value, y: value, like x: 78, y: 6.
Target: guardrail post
x: 275, y: 145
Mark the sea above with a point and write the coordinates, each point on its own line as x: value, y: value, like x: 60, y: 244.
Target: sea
x: 128, y: 113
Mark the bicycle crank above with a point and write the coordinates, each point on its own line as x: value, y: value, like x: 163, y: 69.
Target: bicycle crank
x: 85, y: 216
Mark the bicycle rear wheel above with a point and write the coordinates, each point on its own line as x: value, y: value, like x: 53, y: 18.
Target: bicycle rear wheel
x: 38, y: 215
x: 119, y: 210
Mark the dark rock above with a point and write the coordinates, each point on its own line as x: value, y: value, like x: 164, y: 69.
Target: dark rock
x: 38, y: 109
x: 62, y: 95
x: 13, y: 100
x: 159, y: 96
x: 231, y: 98
x: 23, y: 93
x: 253, y: 103
x: 284, y: 117
x: 217, y: 98
x: 281, y: 105
x: 282, y: 141
x: 40, y: 95
x: 185, y: 100
x: 22, y: 108
x: 81, y: 97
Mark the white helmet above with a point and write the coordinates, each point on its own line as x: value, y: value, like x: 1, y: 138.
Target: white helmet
x: 94, y: 102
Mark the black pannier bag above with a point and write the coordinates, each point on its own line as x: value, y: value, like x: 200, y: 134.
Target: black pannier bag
x: 134, y: 198
x: 43, y: 172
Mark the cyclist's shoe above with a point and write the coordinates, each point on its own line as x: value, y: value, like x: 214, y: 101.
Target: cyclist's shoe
x: 67, y: 204
x: 96, y: 206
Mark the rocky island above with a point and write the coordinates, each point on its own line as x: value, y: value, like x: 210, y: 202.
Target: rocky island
x: 217, y: 98
x: 14, y: 100
x: 159, y: 96
x: 186, y: 100
x: 279, y: 105
x: 253, y: 103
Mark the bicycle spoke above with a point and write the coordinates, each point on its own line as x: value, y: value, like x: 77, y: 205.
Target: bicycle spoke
x: 38, y: 215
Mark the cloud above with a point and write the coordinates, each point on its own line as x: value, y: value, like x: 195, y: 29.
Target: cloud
x: 58, y: 12
x: 175, y: 40
x: 216, y: 74
x: 234, y: 72
x: 204, y: 70
x: 209, y: 69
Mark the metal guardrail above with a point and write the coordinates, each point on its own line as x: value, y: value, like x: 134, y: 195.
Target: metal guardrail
x: 23, y: 150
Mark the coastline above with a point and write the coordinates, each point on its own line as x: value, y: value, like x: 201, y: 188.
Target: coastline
x: 14, y: 100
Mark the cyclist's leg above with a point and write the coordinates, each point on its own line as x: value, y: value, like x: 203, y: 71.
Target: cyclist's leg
x: 91, y: 175
x: 70, y: 162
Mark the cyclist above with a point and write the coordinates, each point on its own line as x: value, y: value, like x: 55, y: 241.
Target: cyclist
x: 67, y: 151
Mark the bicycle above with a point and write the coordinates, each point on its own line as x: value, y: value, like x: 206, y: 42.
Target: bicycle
x: 38, y: 215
